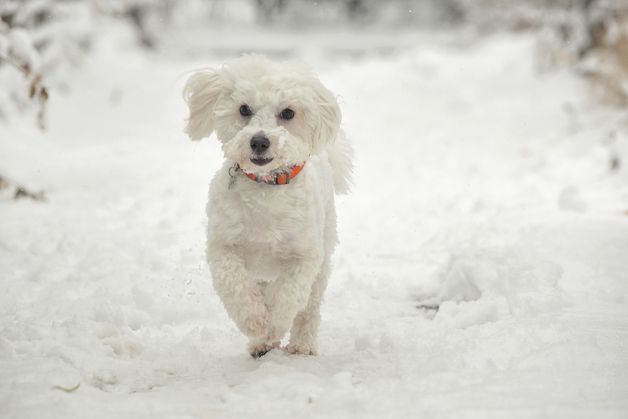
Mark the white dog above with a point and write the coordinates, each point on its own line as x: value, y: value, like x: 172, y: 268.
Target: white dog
x: 272, y: 219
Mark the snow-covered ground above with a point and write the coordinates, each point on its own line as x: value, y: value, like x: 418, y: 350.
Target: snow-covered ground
x: 481, y: 185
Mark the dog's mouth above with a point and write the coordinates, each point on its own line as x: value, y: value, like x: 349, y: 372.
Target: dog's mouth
x: 261, y: 161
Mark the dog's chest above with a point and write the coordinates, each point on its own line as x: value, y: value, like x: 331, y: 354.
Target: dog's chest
x: 269, y: 235
x: 269, y: 219
x: 267, y: 223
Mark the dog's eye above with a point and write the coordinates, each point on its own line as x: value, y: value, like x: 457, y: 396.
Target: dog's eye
x: 245, y: 110
x: 287, y: 114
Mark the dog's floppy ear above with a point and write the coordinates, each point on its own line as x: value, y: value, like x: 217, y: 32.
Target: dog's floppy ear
x: 201, y: 92
x: 329, y: 115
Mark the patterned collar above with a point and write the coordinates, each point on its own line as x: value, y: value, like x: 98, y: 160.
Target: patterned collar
x: 280, y: 176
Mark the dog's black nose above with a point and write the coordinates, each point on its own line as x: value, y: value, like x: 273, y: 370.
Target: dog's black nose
x: 259, y: 143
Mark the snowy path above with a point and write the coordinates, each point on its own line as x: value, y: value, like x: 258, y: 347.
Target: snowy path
x: 472, y: 171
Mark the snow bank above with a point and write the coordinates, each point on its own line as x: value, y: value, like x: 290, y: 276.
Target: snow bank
x: 492, y: 284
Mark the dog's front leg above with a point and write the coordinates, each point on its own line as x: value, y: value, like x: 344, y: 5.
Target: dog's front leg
x: 242, y: 297
x: 288, y: 295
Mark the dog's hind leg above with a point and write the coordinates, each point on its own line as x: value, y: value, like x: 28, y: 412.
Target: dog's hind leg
x: 305, y: 325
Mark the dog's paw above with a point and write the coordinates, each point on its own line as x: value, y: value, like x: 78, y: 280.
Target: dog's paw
x: 259, y: 349
x: 301, y: 349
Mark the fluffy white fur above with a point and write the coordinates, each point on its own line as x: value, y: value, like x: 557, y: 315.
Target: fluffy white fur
x: 269, y: 246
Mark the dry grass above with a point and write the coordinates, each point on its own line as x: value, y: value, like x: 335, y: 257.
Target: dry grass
x: 20, y: 192
x: 609, y: 79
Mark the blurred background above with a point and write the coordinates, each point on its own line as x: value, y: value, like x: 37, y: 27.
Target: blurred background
x: 44, y: 43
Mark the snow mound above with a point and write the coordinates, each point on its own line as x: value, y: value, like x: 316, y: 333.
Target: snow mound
x: 490, y: 284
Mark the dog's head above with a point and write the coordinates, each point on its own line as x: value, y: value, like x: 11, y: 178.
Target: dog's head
x: 267, y: 115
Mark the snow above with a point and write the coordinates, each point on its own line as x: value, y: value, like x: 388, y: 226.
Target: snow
x: 481, y: 185
x: 22, y: 48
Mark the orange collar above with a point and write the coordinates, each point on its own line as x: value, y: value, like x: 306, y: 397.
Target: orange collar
x: 281, y: 176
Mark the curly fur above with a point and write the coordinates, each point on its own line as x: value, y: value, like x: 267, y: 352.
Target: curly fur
x: 269, y: 246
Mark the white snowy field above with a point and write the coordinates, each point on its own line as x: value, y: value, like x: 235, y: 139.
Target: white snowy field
x: 481, y: 184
